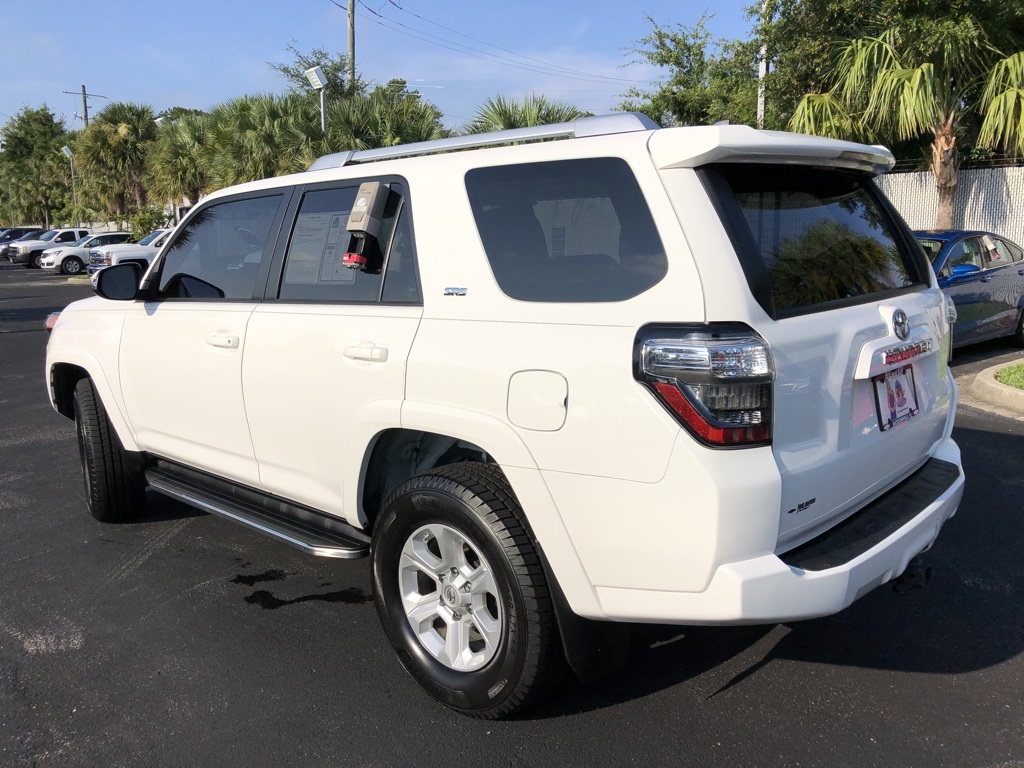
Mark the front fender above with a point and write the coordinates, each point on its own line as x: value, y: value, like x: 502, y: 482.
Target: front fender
x: 92, y: 343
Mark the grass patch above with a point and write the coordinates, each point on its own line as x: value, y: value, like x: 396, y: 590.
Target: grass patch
x: 1013, y: 376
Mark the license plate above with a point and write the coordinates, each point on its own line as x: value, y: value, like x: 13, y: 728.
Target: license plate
x: 895, y: 397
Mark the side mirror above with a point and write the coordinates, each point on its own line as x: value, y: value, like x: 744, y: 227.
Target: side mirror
x: 119, y: 282
x: 960, y: 270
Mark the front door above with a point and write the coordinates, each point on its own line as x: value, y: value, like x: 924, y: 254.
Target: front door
x: 181, y: 347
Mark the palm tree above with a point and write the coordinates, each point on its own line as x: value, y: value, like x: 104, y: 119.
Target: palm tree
x: 113, y: 154
x: 906, y: 82
x: 256, y: 137
x: 176, y: 167
x: 1003, y: 106
x: 500, y: 113
x: 385, y: 117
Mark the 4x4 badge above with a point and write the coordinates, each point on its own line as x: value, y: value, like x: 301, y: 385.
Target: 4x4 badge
x: 901, y: 324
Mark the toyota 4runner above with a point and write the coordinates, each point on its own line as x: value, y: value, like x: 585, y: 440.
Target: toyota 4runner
x: 687, y: 375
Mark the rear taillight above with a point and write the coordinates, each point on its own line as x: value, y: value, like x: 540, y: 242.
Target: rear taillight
x: 715, y: 379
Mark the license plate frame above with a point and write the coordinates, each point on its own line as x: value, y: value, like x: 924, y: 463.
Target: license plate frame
x: 895, y: 397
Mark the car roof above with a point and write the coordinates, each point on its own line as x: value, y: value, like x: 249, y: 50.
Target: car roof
x: 951, y: 234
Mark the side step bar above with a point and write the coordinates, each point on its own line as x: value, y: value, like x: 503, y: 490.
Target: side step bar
x: 303, y: 528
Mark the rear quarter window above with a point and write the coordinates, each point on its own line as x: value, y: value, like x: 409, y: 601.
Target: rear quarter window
x: 812, y: 239
x: 566, y: 231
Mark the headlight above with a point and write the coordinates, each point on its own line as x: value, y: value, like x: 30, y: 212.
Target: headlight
x: 54, y: 253
x: 106, y: 257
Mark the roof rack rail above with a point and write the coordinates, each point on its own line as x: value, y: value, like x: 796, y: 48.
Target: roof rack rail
x: 600, y: 125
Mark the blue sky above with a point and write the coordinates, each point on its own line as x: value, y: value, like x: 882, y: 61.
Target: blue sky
x: 196, y: 53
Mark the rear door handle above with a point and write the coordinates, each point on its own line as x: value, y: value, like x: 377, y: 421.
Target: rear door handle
x: 223, y: 339
x: 986, y: 279
x: 369, y: 352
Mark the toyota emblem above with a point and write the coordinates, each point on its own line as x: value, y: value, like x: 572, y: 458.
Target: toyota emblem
x: 901, y: 324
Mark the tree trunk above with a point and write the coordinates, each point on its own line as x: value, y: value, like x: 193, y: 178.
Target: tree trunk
x: 945, y: 165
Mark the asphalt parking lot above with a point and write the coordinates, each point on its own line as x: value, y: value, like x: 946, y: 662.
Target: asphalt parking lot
x: 183, y: 640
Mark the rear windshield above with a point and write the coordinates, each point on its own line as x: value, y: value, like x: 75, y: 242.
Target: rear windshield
x: 932, y: 248
x: 567, y: 230
x: 811, y: 239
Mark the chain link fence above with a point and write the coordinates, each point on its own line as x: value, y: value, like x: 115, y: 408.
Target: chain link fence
x: 986, y: 198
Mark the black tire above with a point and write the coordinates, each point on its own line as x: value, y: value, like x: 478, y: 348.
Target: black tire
x: 473, y: 500
x: 1018, y: 336
x: 114, y: 482
x: 72, y: 265
x: 35, y: 260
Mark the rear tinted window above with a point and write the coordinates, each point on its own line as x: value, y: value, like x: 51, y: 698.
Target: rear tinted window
x: 932, y: 248
x: 812, y: 238
x: 566, y: 231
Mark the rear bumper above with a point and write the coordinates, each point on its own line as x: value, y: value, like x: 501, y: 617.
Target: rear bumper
x: 821, y: 577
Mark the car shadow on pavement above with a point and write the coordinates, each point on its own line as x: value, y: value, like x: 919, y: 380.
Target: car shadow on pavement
x: 970, y: 616
x: 160, y: 508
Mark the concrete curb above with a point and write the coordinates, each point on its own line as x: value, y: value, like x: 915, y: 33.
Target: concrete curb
x: 1004, y: 399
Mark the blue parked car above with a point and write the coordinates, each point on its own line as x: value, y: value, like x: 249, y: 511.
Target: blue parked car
x: 984, y: 275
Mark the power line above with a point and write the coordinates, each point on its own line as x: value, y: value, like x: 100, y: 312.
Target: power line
x: 484, y: 55
x: 506, y: 50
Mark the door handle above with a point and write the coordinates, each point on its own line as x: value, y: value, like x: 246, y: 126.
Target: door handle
x: 368, y: 352
x: 1020, y: 271
x: 986, y: 279
x: 223, y: 339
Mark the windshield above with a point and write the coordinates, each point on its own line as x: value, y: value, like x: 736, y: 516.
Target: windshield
x: 82, y: 242
x: 36, y: 236
x: 932, y: 247
x: 47, y: 236
x: 151, y: 237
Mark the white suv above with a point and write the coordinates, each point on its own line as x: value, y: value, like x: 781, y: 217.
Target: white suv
x: 71, y: 259
x: 687, y: 375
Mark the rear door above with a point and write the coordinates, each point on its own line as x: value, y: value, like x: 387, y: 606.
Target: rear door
x: 861, y: 392
x: 1004, y: 281
x: 325, y: 362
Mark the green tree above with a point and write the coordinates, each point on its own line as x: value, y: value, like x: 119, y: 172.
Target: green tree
x: 177, y: 163
x: 334, y: 66
x: 1003, y: 106
x: 907, y: 80
x: 112, y: 155
x: 259, y: 136
x: 706, y: 80
x: 500, y: 113
x: 386, y: 116
x: 35, y: 175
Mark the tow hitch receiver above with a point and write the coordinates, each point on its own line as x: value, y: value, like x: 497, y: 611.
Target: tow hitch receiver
x: 916, y: 576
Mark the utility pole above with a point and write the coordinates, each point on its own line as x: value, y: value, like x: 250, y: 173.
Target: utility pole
x: 352, y: 44
x: 85, y: 103
x: 762, y: 69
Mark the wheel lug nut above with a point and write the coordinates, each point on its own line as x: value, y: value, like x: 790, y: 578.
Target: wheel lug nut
x: 466, y: 587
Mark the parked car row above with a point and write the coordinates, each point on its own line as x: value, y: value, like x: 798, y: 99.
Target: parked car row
x: 73, y: 251
x: 28, y: 250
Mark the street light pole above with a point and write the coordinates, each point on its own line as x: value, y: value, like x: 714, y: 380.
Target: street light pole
x: 316, y: 78
x: 74, y: 191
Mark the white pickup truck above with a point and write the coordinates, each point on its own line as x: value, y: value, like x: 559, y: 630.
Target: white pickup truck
x: 141, y: 252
